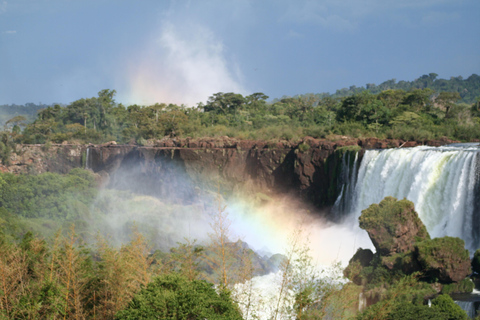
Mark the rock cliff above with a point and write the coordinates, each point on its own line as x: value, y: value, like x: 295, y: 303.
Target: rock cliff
x: 307, y: 168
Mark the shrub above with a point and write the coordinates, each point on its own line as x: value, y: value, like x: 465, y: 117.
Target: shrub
x: 303, y: 147
x: 464, y: 286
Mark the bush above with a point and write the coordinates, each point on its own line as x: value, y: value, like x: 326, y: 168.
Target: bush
x: 303, y: 147
x: 443, y: 308
x: 464, y: 286
x: 172, y: 296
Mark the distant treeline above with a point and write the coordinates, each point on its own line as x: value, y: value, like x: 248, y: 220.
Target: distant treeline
x: 28, y: 110
x: 409, y: 114
x: 469, y: 89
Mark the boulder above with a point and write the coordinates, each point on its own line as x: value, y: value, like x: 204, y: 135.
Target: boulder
x: 393, y: 226
x: 445, y: 259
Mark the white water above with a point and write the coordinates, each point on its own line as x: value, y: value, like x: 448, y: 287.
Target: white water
x: 442, y: 182
x: 87, y: 159
x: 468, y: 307
x: 259, y: 298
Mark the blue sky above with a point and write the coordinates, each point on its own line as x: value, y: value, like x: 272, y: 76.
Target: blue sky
x: 184, y: 51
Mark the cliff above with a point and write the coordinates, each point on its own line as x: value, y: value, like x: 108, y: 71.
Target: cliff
x: 308, y: 168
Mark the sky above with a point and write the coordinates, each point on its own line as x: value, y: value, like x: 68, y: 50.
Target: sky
x: 59, y: 51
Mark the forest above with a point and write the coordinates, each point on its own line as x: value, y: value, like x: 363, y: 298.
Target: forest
x: 418, y: 110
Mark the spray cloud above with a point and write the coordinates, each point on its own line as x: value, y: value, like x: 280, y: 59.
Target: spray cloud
x: 181, y: 65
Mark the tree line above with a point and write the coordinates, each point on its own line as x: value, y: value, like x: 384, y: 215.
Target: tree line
x: 408, y: 112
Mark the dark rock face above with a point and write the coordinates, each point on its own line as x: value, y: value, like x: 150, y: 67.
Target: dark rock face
x: 444, y: 258
x: 310, y: 171
x: 393, y: 226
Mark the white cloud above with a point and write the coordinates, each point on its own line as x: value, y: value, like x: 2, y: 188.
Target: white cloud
x: 3, y: 7
x: 182, y: 66
x: 295, y: 35
x: 436, y: 17
x: 10, y: 32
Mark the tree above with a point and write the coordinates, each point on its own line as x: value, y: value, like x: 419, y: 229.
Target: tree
x: 224, y: 103
x: 222, y: 256
x: 419, y: 99
x: 349, y: 109
x: 173, y: 296
x: 447, y: 100
x: 15, y: 121
x: 186, y: 256
x: 121, y: 274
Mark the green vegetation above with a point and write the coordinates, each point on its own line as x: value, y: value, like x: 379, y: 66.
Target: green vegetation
x: 443, y: 308
x: 438, y: 256
x: 172, y: 296
x: 383, y: 220
x: 48, y: 195
x: 425, y: 109
x: 466, y: 88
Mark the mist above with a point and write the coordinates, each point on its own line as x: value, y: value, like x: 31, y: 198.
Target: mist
x: 167, y: 206
x: 182, y: 65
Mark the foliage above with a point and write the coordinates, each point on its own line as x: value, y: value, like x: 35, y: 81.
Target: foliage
x: 48, y: 194
x: 427, y: 108
x: 440, y: 257
x: 173, y: 296
x: 303, y: 147
x: 401, y: 302
x: 466, y: 285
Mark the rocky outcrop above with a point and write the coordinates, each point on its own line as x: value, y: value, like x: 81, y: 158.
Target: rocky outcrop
x: 403, y: 247
x: 445, y: 259
x: 393, y: 226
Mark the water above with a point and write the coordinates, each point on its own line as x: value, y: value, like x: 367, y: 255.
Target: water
x: 468, y: 307
x: 442, y: 182
x: 348, y: 181
x: 87, y: 159
x: 468, y: 302
x: 362, y: 302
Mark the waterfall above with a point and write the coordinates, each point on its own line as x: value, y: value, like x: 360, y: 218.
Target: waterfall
x: 87, y: 159
x: 347, y: 180
x: 442, y: 182
x: 468, y: 307
x: 362, y: 302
